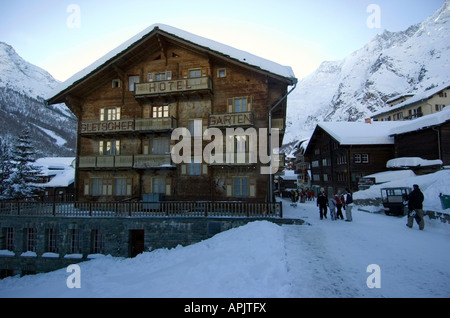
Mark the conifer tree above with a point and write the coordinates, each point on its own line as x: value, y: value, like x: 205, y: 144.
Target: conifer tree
x: 5, y: 165
x: 20, y: 183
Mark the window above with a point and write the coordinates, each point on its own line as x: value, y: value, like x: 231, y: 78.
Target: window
x: 160, y: 146
x: 109, y: 147
x: 131, y: 81
x: 159, y: 185
x: 195, y: 73
x: 101, y: 187
x: 240, y: 187
x: 315, y: 164
x: 9, y: 239
x: 163, y: 76
x: 30, y: 239
x: 440, y: 107
x: 97, y: 242
x: 222, y: 72
x: 75, y: 241
x: 115, y: 83
x: 361, y: 158
x: 365, y: 158
x: 108, y: 114
x: 160, y: 111
x: 240, y: 105
x: 52, y: 241
x: 123, y: 187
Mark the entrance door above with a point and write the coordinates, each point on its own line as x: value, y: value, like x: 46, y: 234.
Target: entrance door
x: 136, y: 242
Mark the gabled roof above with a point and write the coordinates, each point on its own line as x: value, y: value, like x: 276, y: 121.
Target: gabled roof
x: 418, y: 98
x: 361, y: 133
x: 201, y: 43
x: 427, y: 121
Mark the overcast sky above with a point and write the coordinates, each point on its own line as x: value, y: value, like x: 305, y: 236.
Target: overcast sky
x: 63, y: 37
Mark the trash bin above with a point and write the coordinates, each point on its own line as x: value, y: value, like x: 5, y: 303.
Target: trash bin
x: 445, y: 201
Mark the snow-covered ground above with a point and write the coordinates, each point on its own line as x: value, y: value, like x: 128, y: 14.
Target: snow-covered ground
x: 323, y: 258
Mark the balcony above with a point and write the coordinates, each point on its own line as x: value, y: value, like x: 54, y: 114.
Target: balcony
x: 173, y: 87
x: 136, y: 161
x: 128, y: 125
x: 235, y: 159
x: 156, y: 124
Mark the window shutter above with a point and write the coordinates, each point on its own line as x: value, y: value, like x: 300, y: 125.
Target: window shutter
x: 183, y: 169
x: 168, y: 187
x: 249, y: 103
x: 117, y: 113
x: 229, y: 186
x: 230, y: 105
x: 129, y: 184
x: 102, y: 114
x: 86, y: 187
x: 205, y: 170
x: 150, y: 77
x: 169, y: 75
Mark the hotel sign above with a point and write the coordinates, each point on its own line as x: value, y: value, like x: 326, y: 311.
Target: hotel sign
x: 231, y: 120
x: 107, y: 126
x: 175, y: 86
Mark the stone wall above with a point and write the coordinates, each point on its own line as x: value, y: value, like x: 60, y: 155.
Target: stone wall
x: 76, y: 240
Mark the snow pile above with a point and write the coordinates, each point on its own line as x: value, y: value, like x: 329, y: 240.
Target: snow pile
x: 248, y: 261
x: 431, y: 185
x: 407, y: 162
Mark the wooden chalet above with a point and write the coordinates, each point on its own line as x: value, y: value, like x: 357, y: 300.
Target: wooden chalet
x: 427, y: 137
x: 129, y: 102
x: 340, y: 153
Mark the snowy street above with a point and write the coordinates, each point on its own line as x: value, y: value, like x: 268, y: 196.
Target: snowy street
x: 330, y: 258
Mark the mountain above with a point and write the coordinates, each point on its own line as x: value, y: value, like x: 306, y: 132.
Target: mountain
x: 22, y: 90
x: 393, y: 63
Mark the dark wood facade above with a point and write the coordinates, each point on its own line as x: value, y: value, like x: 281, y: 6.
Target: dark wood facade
x: 129, y: 106
x: 336, y: 167
x: 429, y: 143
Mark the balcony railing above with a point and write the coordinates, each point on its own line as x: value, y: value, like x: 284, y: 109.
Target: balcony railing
x: 234, y: 159
x: 142, y: 209
x: 173, y: 87
x: 128, y: 125
x: 136, y: 161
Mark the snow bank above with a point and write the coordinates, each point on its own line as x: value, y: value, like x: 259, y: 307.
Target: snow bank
x: 431, y: 185
x: 241, y: 262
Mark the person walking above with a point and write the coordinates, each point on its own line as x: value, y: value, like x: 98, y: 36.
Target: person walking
x: 348, y: 206
x: 340, y: 203
x: 322, y: 203
x: 332, y: 206
x: 415, y: 207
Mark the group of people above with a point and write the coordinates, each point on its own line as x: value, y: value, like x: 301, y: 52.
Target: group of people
x: 345, y: 201
x: 302, y: 195
x: 335, y: 203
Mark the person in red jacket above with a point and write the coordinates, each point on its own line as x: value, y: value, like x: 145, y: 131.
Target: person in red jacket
x: 340, y: 203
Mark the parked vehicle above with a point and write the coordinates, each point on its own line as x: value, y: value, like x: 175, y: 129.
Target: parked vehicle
x: 395, y: 200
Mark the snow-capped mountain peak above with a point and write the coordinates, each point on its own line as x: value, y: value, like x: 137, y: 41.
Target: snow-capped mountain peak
x: 21, y: 76
x: 392, y: 63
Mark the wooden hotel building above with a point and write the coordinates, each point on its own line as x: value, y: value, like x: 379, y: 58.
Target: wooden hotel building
x: 129, y: 102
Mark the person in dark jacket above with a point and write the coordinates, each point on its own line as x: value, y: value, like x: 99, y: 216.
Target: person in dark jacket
x: 415, y: 208
x: 322, y: 201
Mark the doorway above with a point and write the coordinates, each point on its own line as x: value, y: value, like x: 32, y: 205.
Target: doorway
x: 136, y: 242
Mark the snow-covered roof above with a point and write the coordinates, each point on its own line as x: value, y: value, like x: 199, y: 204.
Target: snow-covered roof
x: 412, y: 162
x: 289, y: 175
x: 361, y: 133
x: 423, y: 122
x: 387, y: 176
x: 225, y: 50
x: 423, y: 96
x: 61, y: 168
